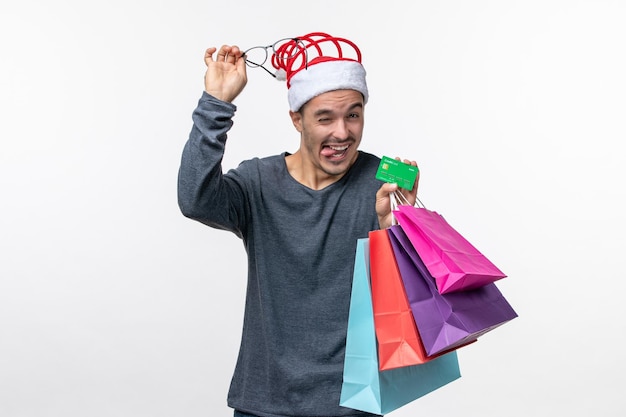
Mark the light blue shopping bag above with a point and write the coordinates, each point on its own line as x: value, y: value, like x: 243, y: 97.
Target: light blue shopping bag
x: 366, y: 388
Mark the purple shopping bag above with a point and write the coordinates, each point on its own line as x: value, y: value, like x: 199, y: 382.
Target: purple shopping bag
x: 451, y: 259
x: 446, y: 321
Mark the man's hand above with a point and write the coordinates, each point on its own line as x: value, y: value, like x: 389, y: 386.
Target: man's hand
x: 383, y: 202
x: 225, y: 76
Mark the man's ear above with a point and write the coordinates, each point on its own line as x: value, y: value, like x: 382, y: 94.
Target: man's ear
x: 296, y: 119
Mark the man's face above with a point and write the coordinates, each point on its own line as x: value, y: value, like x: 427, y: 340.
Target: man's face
x: 331, y: 127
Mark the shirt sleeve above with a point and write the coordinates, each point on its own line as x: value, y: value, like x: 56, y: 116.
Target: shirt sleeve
x: 205, y: 194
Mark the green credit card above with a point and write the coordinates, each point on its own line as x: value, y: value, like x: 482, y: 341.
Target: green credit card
x: 391, y: 170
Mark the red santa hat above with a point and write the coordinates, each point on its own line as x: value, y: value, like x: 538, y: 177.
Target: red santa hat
x: 316, y: 63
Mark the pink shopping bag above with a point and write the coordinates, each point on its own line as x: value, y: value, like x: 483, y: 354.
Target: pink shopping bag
x: 451, y: 259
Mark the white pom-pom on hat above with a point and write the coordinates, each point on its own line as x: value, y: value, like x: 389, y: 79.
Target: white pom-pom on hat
x: 281, y: 74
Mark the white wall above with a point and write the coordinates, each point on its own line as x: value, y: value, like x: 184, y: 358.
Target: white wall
x: 114, y: 304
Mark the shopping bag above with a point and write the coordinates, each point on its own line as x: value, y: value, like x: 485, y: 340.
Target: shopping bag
x: 451, y: 259
x: 364, y: 386
x: 451, y: 320
x: 398, y: 340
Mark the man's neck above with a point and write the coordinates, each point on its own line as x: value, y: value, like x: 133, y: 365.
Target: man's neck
x: 307, y: 174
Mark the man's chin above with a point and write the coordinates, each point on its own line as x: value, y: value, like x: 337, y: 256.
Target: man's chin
x: 336, y: 168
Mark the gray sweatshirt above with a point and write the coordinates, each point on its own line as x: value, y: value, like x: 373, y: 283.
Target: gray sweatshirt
x: 300, y: 245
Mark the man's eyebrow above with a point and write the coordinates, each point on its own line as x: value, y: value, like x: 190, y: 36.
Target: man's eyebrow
x: 323, y: 112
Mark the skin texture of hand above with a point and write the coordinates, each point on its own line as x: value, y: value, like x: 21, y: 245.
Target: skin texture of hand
x: 226, y: 75
x: 383, y: 202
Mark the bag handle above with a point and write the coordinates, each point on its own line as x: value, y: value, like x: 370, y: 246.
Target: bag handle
x: 398, y: 196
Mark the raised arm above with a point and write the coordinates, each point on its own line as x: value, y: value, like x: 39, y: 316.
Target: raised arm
x: 204, y: 193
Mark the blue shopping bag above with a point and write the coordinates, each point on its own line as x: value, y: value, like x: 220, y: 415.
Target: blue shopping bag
x: 364, y: 386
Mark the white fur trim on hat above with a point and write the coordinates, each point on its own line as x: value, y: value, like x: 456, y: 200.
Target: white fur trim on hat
x: 324, y: 77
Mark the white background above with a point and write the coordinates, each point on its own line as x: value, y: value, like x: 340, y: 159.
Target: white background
x: 114, y: 304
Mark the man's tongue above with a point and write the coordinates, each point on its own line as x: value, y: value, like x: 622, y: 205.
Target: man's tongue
x: 329, y: 152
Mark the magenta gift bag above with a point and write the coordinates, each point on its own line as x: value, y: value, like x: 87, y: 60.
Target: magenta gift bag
x: 453, y: 261
x: 446, y: 321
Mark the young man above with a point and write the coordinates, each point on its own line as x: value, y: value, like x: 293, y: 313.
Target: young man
x: 299, y: 216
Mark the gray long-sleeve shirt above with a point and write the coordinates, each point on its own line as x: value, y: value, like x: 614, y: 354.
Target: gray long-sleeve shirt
x: 301, y: 245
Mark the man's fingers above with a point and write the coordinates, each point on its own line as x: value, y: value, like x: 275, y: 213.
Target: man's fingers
x: 223, y: 52
x: 226, y: 53
x: 385, y: 190
x: 236, y: 52
x: 208, y: 55
x: 406, y: 161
